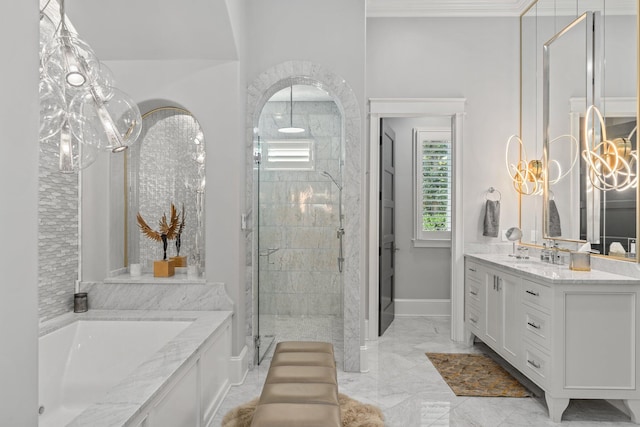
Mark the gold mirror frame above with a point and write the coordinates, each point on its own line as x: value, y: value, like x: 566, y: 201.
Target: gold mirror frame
x: 520, y: 196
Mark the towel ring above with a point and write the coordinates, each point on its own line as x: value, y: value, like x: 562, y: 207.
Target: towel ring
x: 492, y: 190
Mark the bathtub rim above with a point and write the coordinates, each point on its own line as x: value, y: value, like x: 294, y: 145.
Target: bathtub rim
x: 131, y: 397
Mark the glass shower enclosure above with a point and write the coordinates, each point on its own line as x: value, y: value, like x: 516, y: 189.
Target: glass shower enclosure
x: 299, y: 154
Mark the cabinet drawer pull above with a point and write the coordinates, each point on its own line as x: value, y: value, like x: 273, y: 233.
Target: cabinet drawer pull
x: 533, y: 325
x: 472, y: 320
x: 472, y: 269
x: 533, y: 363
x: 535, y: 294
x: 475, y: 294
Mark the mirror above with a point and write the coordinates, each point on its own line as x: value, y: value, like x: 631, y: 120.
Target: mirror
x: 567, y: 67
x: 167, y: 167
x: 558, y: 25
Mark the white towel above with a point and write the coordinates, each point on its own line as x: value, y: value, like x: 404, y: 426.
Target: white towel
x: 491, y: 218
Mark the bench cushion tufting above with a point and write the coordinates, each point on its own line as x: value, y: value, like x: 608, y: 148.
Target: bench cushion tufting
x: 301, y: 374
x: 301, y: 388
x: 297, y: 346
x: 300, y: 393
x: 303, y: 358
x: 296, y: 415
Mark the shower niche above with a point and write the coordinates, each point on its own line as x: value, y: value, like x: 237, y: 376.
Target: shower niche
x: 298, y: 225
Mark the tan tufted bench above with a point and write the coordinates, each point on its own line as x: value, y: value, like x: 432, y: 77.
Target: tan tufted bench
x: 301, y: 388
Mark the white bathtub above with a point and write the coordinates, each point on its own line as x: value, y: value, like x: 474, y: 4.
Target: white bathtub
x: 96, y: 372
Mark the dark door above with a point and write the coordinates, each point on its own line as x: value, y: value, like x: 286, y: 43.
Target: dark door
x: 386, y: 251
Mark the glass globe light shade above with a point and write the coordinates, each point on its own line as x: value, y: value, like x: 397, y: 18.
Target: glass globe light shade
x: 104, y: 81
x: 70, y: 62
x: 111, y: 122
x: 68, y: 152
x: 52, y: 109
x: 47, y: 31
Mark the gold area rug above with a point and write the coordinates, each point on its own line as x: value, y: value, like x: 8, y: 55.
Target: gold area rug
x: 476, y: 375
x: 352, y: 413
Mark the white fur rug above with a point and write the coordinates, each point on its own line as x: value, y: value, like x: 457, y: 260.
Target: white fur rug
x: 352, y: 412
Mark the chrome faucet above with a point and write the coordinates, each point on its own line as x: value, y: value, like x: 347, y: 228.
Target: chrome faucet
x: 550, y: 252
x: 545, y: 253
x: 555, y: 254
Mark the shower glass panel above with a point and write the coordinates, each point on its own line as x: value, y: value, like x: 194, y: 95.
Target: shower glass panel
x: 299, y: 182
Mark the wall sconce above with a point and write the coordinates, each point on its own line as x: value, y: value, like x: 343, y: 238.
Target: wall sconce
x: 527, y: 176
x: 80, y: 110
x: 611, y: 163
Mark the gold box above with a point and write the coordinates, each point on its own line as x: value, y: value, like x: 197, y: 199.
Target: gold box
x: 181, y: 261
x: 580, y: 261
x: 164, y: 268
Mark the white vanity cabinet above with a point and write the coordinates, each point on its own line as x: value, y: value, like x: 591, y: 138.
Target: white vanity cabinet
x: 492, y: 311
x: 502, y: 314
x: 575, y: 334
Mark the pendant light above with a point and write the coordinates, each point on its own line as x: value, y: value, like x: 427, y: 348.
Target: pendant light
x: 291, y: 128
x: 96, y: 115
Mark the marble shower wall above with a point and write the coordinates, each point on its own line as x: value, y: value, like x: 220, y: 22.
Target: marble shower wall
x: 258, y: 92
x: 299, y: 216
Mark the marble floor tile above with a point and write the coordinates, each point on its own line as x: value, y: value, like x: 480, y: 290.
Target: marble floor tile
x: 411, y: 393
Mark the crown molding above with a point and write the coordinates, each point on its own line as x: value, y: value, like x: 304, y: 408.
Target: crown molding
x: 489, y: 8
x: 445, y: 8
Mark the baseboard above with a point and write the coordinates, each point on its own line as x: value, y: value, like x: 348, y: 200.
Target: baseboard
x: 422, y: 307
x: 238, y: 367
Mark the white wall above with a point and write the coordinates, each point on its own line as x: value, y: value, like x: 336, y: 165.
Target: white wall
x: 327, y: 32
x: 472, y: 58
x: 415, y: 277
x: 19, y: 195
x: 212, y: 92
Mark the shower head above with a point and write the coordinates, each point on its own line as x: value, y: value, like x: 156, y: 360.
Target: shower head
x: 328, y: 175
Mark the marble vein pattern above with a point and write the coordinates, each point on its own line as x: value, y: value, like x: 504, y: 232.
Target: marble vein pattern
x: 157, y: 295
x: 411, y: 393
x: 127, y: 398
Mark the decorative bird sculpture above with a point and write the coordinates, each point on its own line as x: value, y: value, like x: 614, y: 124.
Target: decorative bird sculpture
x: 167, y: 231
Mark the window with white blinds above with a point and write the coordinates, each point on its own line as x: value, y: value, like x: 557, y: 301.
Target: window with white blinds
x: 289, y: 154
x: 433, y: 172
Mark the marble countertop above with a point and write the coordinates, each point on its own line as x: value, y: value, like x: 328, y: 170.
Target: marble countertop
x: 179, y: 277
x: 535, y: 269
x: 125, y: 400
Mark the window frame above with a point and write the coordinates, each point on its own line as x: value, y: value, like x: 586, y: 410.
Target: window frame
x: 421, y: 237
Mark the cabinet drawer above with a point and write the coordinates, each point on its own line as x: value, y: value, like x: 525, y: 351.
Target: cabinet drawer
x: 473, y: 291
x: 536, y: 294
x: 537, y: 327
x: 473, y: 319
x: 471, y: 270
x: 536, y: 365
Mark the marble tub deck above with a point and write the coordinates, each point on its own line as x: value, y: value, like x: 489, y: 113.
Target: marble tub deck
x: 125, y: 400
x: 407, y: 387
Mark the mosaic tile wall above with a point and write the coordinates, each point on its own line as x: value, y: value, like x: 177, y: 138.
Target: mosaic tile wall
x: 299, y: 217
x: 167, y: 172
x: 57, y: 237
